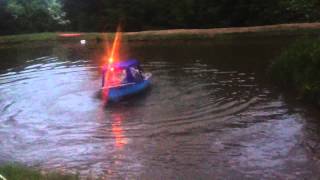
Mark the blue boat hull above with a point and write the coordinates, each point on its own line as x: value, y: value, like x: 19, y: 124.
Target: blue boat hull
x: 119, y: 92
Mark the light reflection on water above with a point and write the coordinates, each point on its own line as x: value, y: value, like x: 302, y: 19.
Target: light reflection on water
x: 207, y: 114
x: 120, y: 139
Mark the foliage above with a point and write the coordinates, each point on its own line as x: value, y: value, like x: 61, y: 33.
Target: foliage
x: 17, y: 172
x: 25, y: 16
x: 298, y: 68
x: 21, y: 16
x: 301, y: 9
x: 99, y: 15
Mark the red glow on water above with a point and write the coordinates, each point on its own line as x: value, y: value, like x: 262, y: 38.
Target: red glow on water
x: 69, y: 34
x: 118, y: 131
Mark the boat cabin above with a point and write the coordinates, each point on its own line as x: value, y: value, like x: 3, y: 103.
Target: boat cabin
x: 123, y: 72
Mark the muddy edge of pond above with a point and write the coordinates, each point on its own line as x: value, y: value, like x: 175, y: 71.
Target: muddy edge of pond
x: 175, y: 34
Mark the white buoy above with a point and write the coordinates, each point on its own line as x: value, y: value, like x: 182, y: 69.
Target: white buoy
x: 2, y: 177
x: 83, y: 42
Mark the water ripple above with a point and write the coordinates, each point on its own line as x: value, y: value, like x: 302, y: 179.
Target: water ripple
x: 197, y: 116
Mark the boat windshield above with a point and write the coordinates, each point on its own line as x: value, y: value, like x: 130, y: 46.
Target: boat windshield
x: 117, y: 76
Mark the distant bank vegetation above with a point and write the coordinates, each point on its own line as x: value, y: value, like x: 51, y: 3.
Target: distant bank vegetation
x: 298, y: 68
x: 20, y: 16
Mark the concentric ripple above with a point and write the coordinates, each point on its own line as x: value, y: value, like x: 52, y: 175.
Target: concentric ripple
x: 199, y: 118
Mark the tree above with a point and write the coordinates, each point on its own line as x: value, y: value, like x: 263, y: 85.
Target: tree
x: 36, y: 15
x: 301, y: 10
x: 18, y: 16
x: 7, y: 21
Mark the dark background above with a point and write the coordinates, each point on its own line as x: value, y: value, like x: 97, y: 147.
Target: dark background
x: 28, y: 16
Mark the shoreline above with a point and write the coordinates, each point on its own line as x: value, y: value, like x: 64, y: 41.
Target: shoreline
x: 231, y: 30
x: 173, y: 34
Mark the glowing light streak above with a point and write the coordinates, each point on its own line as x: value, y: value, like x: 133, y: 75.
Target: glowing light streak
x: 110, y: 57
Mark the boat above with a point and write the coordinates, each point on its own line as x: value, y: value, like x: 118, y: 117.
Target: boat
x: 123, y: 79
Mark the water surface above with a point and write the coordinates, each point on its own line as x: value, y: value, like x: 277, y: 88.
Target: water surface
x: 211, y: 112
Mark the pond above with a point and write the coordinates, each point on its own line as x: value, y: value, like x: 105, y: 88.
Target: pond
x: 211, y: 112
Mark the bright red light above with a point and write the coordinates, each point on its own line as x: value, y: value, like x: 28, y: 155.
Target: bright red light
x: 112, y: 55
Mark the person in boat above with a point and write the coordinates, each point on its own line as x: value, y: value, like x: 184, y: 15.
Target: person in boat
x: 124, y: 72
x: 136, y: 74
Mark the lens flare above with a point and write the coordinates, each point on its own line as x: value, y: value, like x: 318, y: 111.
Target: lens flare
x: 111, y: 55
x: 115, y: 51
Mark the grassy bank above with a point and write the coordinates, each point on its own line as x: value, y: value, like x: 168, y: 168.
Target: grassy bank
x: 17, y: 172
x: 177, y: 34
x: 22, y: 38
x: 182, y: 34
x: 298, y: 68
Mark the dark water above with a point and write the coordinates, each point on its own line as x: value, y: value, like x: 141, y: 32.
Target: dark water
x: 211, y: 113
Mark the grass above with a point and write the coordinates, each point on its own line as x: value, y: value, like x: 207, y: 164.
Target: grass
x: 178, y: 34
x: 298, y: 68
x: 18, y: 172
x: 28, y: 37
x: 48, y: 36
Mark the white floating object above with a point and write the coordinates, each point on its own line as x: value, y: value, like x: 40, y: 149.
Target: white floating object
x: 83, y: 41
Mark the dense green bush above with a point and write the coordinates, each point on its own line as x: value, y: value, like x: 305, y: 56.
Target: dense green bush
x: 298, y: 67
